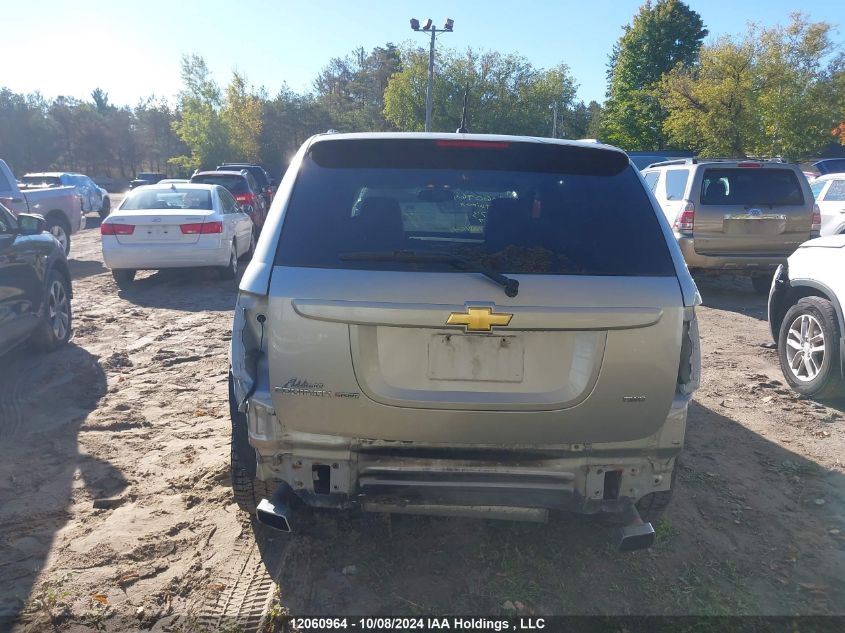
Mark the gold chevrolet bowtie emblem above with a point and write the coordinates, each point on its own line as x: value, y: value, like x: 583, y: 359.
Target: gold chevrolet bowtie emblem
x: 479, y: 319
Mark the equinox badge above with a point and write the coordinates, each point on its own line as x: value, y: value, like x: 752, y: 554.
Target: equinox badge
x: 479, y: 319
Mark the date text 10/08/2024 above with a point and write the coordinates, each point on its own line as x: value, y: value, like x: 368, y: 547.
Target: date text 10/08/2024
x: 418, y: 624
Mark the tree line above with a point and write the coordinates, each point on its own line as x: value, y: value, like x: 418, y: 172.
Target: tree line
x: 776, y: 91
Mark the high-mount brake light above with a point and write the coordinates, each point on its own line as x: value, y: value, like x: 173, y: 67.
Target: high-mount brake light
x: 749, y: 165
x: 116, y: 229
x: 468, y: 144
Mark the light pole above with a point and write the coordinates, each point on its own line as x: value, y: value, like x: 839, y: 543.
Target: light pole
x: 429, y: 27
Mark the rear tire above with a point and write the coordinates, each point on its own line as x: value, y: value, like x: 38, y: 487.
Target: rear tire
x: 247, y: 490
x: 823, y: 324
x: 55, y: 329
x: 59, y: 228
x: 762, y: 284
x: 105, y: 209
x: 230, y: 271
x: 123, y: 277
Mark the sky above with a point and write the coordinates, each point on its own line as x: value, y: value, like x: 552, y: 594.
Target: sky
x: 132, y: 49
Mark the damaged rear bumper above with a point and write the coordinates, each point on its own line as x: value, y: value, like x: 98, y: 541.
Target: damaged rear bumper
x: 521, y: 483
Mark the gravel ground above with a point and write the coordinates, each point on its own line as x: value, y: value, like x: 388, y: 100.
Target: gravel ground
x: 115, y: 510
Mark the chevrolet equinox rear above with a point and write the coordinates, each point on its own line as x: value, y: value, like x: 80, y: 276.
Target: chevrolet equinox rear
x: 462, y: 325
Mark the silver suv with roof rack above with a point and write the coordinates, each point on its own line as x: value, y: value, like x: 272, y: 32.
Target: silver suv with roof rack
x: 457, y: 325
x: 738, y: 216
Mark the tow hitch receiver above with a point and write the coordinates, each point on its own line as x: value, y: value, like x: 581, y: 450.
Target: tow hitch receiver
x: 635, y: 534
x: 276, y: 512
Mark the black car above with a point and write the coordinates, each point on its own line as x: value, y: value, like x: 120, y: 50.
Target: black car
x: 35, y: 283
x: 243, y: 187
x: 260, y: 174
x: 146, y: 178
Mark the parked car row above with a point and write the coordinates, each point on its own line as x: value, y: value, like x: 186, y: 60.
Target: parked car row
x: 422, y: 292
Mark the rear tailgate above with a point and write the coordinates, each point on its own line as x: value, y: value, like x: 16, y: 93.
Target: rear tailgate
x: 581, y: 360
x: 751, y: 209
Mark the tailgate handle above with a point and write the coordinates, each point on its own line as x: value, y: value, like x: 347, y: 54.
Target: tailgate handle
x: 435, y: 315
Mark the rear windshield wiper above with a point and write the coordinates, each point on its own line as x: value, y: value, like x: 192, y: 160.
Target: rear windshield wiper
x: 511, y: 286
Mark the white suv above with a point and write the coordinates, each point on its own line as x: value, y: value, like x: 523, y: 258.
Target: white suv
x: 829, y: 191
x: 806, y: 318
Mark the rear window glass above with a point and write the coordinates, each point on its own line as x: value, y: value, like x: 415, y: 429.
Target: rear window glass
x: 741, y: 186
x: 235, y: 184
x: 255, y: 172
x: 173, y: 198
x: 836, y: 192
x: 41, y: 181
x: 513, y: 208
x: 676, y: 183
x: 816, y: 187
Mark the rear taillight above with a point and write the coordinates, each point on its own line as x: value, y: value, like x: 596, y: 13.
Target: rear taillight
x: 205, y: 228
x: 117, y: 229
x: 685, y: 222
x: 816, y: 222
x: 245, y: 198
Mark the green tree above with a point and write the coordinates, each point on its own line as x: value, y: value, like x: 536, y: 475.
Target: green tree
x: 662, y: 35
x: 242, y: 117
x: 507, y: 95
x: 796, y: 96
x: 711, y: 108
x: 199, y: 124
x: 287, y: 121
x: 352, y: 88
x: 775, y: 92
x: 28, y: 136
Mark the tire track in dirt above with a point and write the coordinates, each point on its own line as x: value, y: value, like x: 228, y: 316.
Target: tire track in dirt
x: 248, y: 593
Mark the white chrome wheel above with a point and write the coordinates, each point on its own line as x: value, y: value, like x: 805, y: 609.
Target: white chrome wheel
x: 805, y: 347
x: 58, y: 231
x: 58, y: 310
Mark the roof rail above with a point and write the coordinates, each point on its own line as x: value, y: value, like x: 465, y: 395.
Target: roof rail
x: 698, y: 160
x: 680, y: 161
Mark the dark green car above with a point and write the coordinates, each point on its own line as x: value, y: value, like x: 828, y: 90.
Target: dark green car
x: 35, y: 286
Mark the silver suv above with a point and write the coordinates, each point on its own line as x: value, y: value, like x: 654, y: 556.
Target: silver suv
x: 739, y: 216
x: 462, y: 325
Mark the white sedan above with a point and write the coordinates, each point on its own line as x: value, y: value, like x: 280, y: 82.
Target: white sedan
x: 176, y: 226
x: 806, y: 317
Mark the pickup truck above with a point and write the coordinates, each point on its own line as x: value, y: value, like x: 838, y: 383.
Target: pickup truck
x: 60, y: 206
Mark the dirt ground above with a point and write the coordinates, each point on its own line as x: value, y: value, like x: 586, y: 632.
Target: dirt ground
x: 115, y: 509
